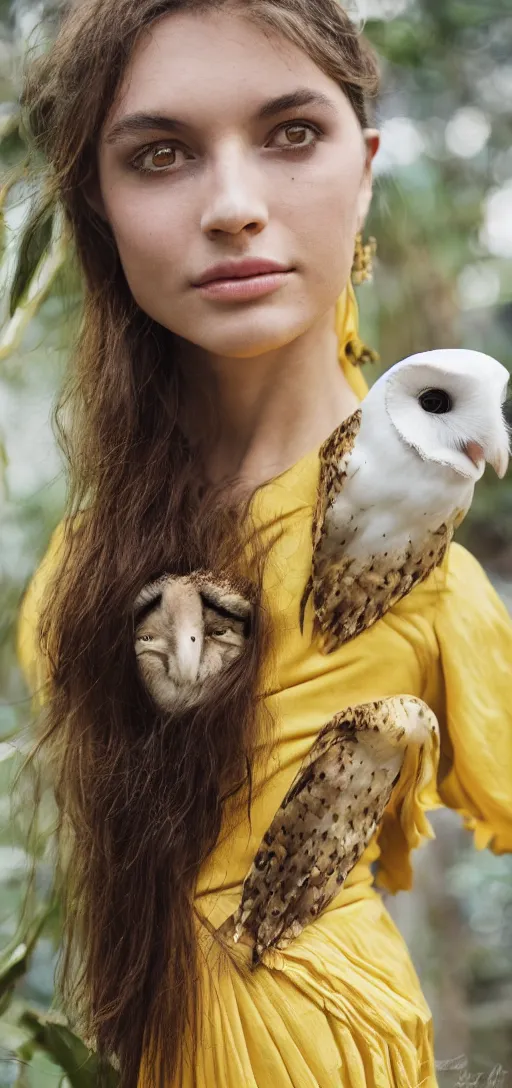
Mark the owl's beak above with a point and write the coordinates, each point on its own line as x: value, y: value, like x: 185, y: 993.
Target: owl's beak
x: 475, y: 452
x: 498, y: 456
x: 183, y: 606
x: 188, y: 655
x: 499, y: 452
x: 499, y: 460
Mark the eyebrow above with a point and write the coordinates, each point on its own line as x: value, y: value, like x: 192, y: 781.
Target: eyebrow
x: 142, y: 122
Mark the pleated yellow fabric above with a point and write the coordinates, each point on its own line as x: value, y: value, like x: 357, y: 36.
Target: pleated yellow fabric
x: 342, y: 1005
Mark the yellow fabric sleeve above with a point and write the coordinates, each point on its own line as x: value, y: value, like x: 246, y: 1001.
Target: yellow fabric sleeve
x: 405, y: 824
x: 29, y: 651
x: 474, y: 633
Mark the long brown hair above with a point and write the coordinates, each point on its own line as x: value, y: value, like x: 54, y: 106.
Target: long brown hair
x: 140, y: 799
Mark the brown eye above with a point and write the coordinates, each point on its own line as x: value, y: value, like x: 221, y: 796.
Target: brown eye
x: 145, y: 638
x: 435, y: 401
x: 163, y: 156
x: 158, y: 160
x: 298, y: 134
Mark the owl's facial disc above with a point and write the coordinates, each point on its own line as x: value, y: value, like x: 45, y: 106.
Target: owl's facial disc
x: 146, y: 643
x: 228, y: 638
x: 452, y: 418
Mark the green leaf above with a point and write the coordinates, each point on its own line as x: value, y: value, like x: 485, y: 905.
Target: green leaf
x: 15, y: 961
x: 66, y: 1049
x: 33, y: 284
x: 12, y: 968
x: 15, y: 1039
x: 34, y: 244
x: 9, y: 121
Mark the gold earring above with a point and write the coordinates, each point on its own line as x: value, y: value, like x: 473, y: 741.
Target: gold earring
x: 362, y: 266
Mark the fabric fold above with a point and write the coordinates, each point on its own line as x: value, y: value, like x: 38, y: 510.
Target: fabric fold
x: 474, y: 635
x: 405, y: 824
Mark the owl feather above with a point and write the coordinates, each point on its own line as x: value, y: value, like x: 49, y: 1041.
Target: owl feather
x: 326, y: 820
x: 396, y: 480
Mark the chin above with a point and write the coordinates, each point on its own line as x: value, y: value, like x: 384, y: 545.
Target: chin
x: 238, y: 330
x: 248, y: 333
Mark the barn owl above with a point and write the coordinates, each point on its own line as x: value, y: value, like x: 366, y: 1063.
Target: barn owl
x: 326, y: 819
x: 396, y: 479
x: 187, y: 631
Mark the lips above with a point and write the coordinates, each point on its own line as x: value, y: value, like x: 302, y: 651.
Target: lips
x: 240, y: 269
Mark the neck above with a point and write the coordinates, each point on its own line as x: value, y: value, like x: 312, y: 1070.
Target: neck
x: 274, y: 408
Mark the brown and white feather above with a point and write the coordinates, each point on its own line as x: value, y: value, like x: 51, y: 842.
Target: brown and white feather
x: 396, y: 479
x: 326, y: 820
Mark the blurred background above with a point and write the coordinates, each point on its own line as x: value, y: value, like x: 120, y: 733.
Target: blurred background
x: 442, y: 216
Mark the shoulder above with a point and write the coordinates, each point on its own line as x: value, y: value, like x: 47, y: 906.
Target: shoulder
x: 468, y: 594
x: 458, y: 583
x: 456, y: 616
x: 461, y: 569
x: 473, y: 629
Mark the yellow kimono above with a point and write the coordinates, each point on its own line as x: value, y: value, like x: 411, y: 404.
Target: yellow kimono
x: 341, y: 1006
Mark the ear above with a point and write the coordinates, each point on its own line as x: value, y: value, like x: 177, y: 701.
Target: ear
x: 372, y: 144
x: 372, y: 141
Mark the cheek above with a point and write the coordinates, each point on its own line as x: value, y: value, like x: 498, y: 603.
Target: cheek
x: 150, y: 231
x: 322, y: 214
x: 312, y: 217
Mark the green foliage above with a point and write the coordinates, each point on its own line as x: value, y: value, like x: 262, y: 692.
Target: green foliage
x: 33, y: 249
x: 66, y: 1049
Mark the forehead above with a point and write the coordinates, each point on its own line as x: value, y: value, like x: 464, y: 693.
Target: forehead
x: 215, y: 61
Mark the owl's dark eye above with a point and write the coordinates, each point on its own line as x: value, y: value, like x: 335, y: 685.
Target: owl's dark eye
x: 436, y: 401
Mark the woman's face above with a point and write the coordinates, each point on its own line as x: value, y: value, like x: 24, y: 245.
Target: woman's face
x: 203, y: 160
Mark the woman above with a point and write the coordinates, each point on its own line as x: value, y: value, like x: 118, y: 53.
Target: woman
x: 181, y: 135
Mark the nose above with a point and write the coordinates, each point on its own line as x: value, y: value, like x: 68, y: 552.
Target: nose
x: 235, y: 199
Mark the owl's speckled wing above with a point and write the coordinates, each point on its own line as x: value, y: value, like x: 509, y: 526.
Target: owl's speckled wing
x: 335, y: 454
x: 326, y: 819
x: 351, y: 593
x: 334, y: 459
x: 353, y: 586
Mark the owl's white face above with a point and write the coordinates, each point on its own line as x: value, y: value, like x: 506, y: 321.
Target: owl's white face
x: 448, y: 406
x: 188, y: 630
